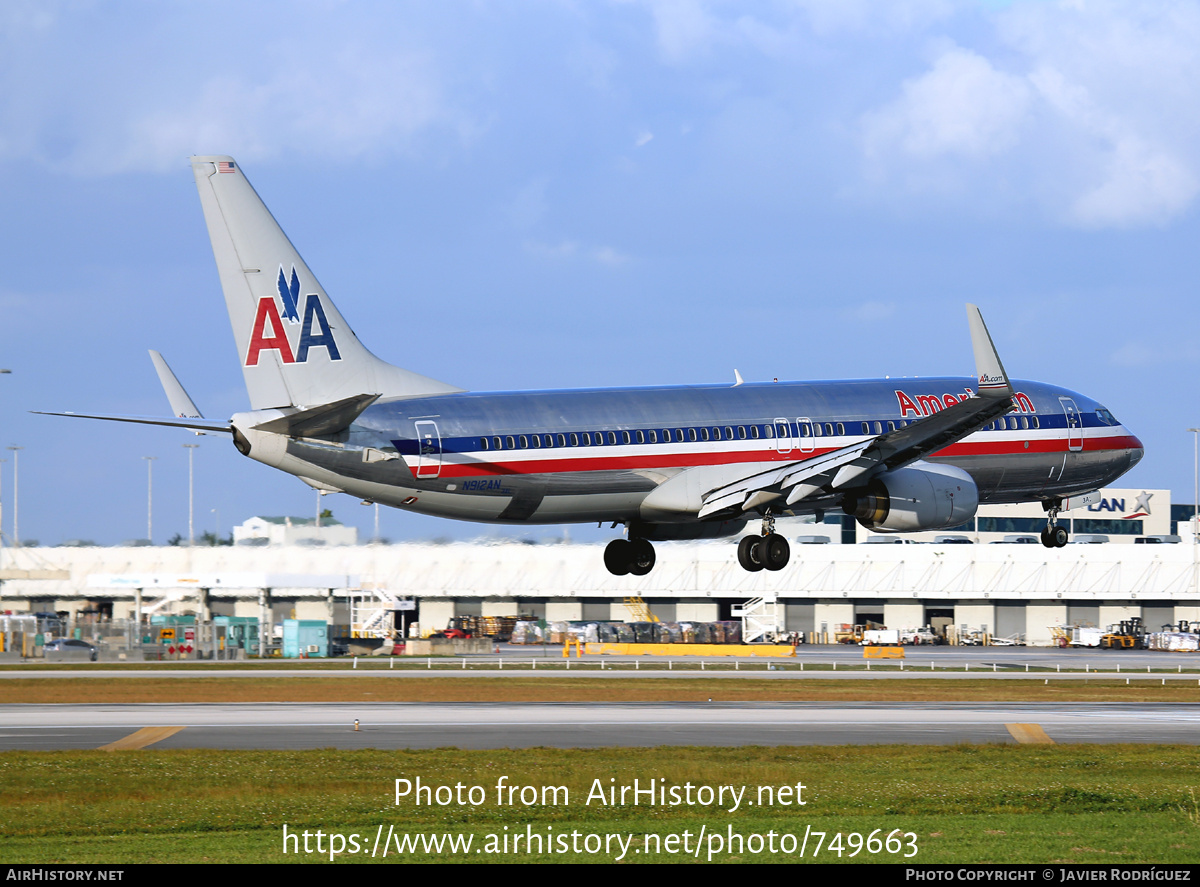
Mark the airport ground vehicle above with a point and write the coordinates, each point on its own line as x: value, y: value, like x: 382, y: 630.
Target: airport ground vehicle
x: 919, y: 636
x: 1128, y: 634
x: 72, y: 648
x: 499, y: 628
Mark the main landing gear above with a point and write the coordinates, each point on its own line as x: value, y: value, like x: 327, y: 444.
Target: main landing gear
x: 1054, y: 536
x: 624, y: 556
x: 768, y: 550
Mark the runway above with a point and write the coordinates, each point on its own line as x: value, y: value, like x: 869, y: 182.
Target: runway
x: 573, y: 725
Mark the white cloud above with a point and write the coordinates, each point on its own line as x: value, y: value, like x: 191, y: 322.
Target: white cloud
x: 1133, y: 180
x: 1088, y: 115
x: 829, y: 18
x: 688, y: 29
x: 683, y: 27
x: 963, y: 105
x: 571, y: 249
x: 606, y: 255
x: 353, y: 104
x: 1142, y: 184
x: 530, y: 204
x: 872, y: 312
x: 1138, y: 354
x: 18, y: 18
x: 128, y: 103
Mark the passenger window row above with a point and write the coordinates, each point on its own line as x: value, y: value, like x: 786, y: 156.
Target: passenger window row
x: 613, y: 438
x: 1013, y: 423
x: 673, y: 435
x: 717, y: 433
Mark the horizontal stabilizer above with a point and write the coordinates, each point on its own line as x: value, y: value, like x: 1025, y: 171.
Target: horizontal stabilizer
x: 208, y: 425
x: 322, y: 420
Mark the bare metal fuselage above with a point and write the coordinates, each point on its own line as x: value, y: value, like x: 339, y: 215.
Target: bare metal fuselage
x: 597, y: 455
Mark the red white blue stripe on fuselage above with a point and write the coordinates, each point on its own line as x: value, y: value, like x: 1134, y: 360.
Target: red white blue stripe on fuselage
x: 480, y: 439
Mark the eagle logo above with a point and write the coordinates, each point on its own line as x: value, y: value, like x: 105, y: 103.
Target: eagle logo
x: 289, y: 294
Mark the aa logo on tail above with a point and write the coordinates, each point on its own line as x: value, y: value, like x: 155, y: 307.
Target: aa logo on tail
x: 289, y: 294
x: 270, y: 334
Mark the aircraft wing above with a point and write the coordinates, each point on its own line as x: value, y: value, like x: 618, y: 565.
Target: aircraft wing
x: 826, y: 475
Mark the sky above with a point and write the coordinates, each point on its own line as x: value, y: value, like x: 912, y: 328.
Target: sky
x: 585, y: 194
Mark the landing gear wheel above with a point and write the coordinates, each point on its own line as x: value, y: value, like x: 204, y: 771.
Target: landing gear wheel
x: 749, y: 553
x: 617, y: 557
x: 774, y: 552
x: 641, y: 557
x: 1054, y: 536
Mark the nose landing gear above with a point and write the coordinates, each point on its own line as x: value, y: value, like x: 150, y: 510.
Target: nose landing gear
x: 768, y: 551
x: 1054, y: 536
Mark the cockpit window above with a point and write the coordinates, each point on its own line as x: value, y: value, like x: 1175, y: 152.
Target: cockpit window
x: 1105, y: 417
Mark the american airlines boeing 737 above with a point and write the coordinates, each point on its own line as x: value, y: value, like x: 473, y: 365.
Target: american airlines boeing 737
x: 691, y: 462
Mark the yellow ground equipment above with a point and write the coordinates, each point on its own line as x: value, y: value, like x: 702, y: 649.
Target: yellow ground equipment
x: 638, y: 610
x: 848, y: 634
x: 1128, y: 634
x: 883, y: 652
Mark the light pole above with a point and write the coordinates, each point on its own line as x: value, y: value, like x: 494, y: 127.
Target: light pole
x: 150, y: 498
x: 1195, y: 505
x: 16, y: 451
x: 191, y: 448
x: 2, y: 461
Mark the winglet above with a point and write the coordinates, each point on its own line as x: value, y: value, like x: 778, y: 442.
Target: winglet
x: 181, y: 405
x: 993, y: 381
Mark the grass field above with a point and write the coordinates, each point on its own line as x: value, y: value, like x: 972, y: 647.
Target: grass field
x: 515, y: 688
x: 963, y: 804
x: 958, y: 804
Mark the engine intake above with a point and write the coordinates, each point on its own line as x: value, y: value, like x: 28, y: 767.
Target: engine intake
x: 922, y: 496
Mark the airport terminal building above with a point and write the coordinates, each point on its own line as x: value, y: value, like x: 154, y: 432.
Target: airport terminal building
x: 1011, y: 589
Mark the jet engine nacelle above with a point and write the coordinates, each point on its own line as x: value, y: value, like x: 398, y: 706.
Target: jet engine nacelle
x: 922, y: 496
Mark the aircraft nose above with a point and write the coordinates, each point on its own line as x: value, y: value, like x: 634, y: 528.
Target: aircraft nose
x: 1136, y: 450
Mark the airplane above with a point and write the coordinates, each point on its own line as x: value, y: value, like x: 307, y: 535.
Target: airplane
x: 667, y: 463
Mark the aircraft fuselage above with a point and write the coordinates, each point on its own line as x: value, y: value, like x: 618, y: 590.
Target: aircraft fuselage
x: 595, y: 455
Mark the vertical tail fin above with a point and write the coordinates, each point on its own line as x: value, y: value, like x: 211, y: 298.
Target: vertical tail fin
x: 296, y: 349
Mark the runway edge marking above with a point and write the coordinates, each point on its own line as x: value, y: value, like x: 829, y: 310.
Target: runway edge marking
x: 1029, y: 734
x: 142, y: 738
